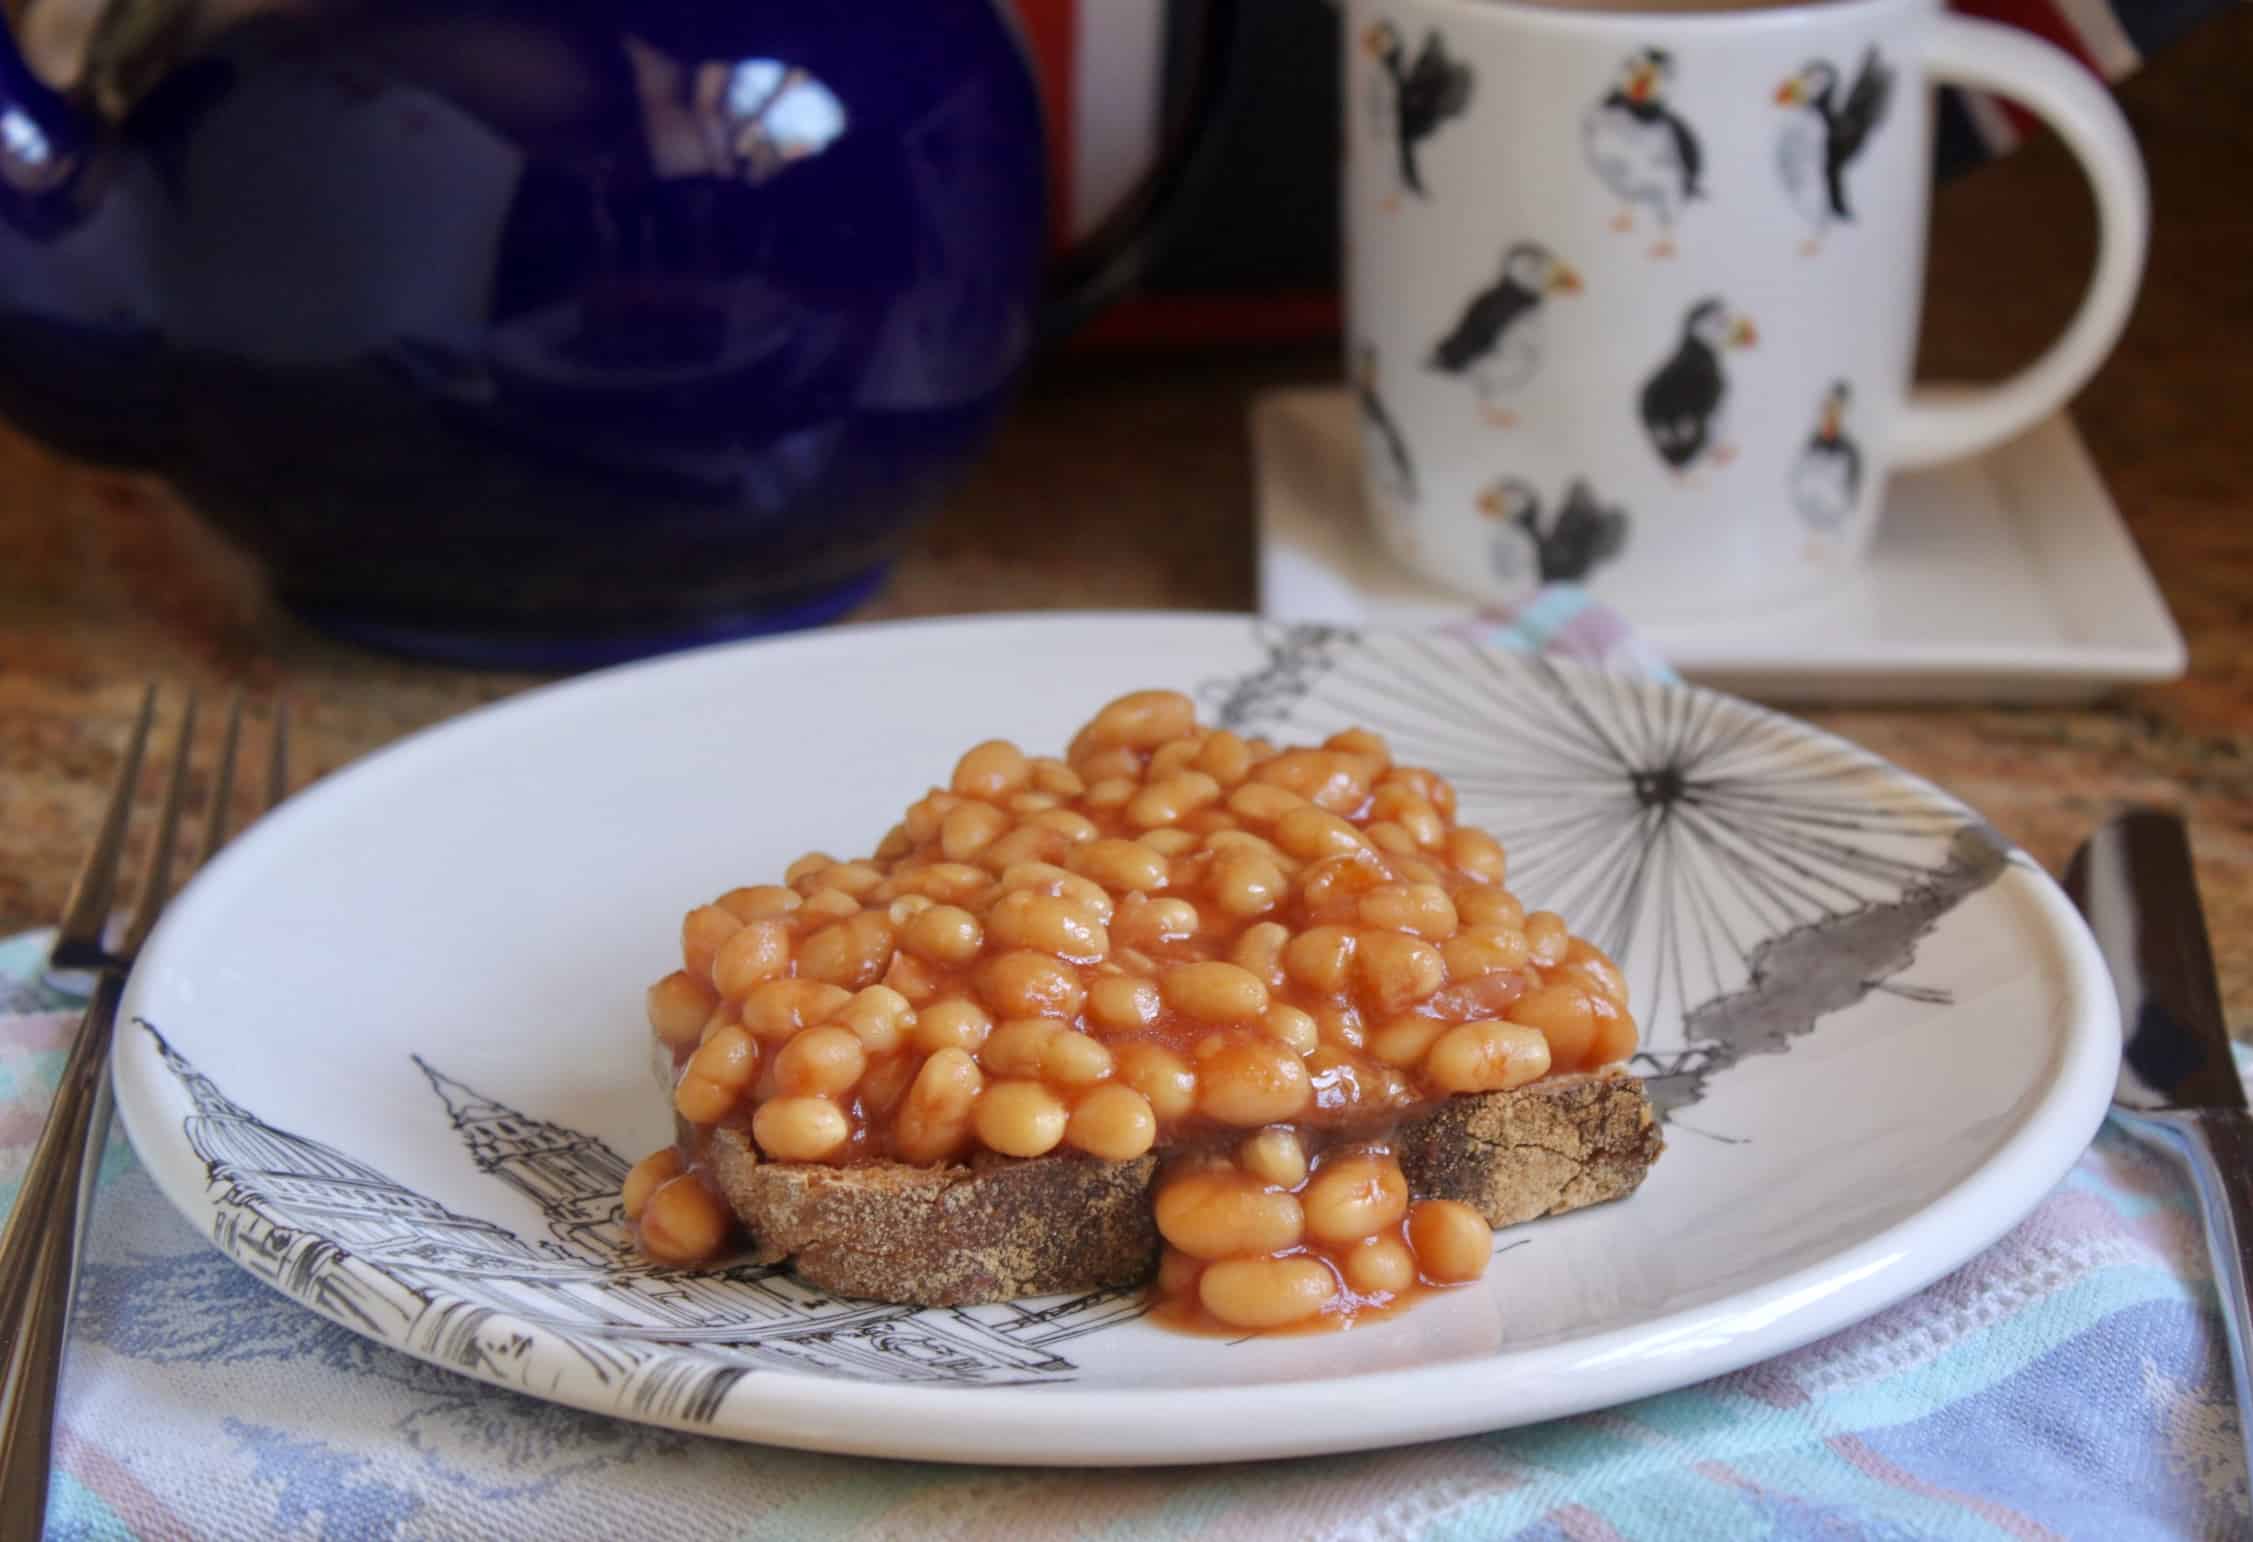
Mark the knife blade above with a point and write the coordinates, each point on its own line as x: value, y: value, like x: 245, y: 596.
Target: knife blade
x: 2179, y: 1089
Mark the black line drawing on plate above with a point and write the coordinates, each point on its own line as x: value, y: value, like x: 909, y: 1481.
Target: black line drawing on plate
x: 1823, y: 136
x: 344, y: 1237
x: 1751, y: 877
x: 1643, y: 150
x: 1410, y: 101
x: 1497, y: 340
x: 1826, y: 476
x: 1581, y: 536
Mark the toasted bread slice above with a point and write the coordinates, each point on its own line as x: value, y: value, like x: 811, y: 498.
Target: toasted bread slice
x: 1002, y: 1228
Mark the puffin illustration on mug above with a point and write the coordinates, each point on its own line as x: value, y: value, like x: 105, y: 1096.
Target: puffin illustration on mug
x: 1409, y: 101
x: 1822, y: 136
x: 1497, y: 340
x: 1683, y: 403
x: 1583, y: 533
x: 1641, y: 149
x: 1826, y: 479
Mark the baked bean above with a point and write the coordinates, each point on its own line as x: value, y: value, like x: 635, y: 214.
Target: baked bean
x: 886, y: 1083
x: 1260, y: 950
x: 1169, y: 842
x: 682, y: 1223
x: 1309, y: 833
x: 1014, y: 1048
x: 1391, y: 839
x: 1153, y: 923
x: 701, y: 1100
x: 850, y: 954
x: 1329, y: 889
x: 1114, y: 1123
x: 1266, y: 1292
x: 1225, y: 757
x: 800, y: 1129
x: 1173, y: 757
x: 1055, y: 778
x: 1274, y: 1156
x: 1116, y: 763
x: 934, y: 1118
x: 1123, y: 866
x: 1252, y: 1082
x: 1485, y: 950
x: 1545, y: 934
x: 759, y: 950
x: 1453, y: 1243
x: 1405, y: 1040
x: 729, y: 1057
x: 702, y: 931
x: 824, y: 906
x: 759, y: 901
x: 895, y: 844
x: 1076, y: 828
x: 1378, y: 1266
x: 1167, y: 802
x: 1160, y: 1076
x: 1074, y: 1059
x: 1615, y: 1037
x: 1412, y: 812
x: 1477, y: 853
x: 953, y: 883
x: 1020, y: 1119
x: 1590, y: 964
x: 1123, y: 1002
x: 679, y: 1006
x: 1027, y: 803
x: 1111, y: 792
x: 1361, y: 741
x: 1218, y: 1212
x: 854, y: 878
x: 1396, y: 969
x: 1478, y: 997
x: 1354, y: 1194
x: 821, y: 1062
x: 970, y: 829
x: 1177, y: 1272
x: 906, y: 908
x: 1340, y: 1026
x: 1490, y: 907
x: 1426, y: 784
x: 660, y: 1167
x: 1486, y: 1057
x: 1026, y: 843
x: 1047, y: 923
x: 1026, y: 984
x: 954, y: 1023
x: 1320, y: 958
x: 992, y: 770
x: 1261, y: 803
x: 1566, y: 1015
x: 944, y: 934
x: 807, y: 866
x: 1421, y: 908
x: 779, y: 1008
x: 1214, y: 992
x: 1288, y: 1025
x: 1416, y: 870
x: 1244, y: 883
x: 912, y: 978
x: 1143, y: 720
x: 1325, y: 779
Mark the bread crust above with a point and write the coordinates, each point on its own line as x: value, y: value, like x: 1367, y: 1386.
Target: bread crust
x: 1001, y: 1227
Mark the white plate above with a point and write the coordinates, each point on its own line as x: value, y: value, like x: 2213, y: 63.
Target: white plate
x: 2005, y: 578
x: 402, y: 1059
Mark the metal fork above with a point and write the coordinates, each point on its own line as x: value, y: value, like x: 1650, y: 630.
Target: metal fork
x: 39, y: 1250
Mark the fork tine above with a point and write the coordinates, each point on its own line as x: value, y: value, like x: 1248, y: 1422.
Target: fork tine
x: 277, y: 765
x: 222, y: 782
x: 156, y: 888
x: 86, y: 912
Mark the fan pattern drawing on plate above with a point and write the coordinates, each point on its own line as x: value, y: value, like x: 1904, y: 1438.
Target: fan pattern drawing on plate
x: 343, y: 1236
x: 1750, y: 877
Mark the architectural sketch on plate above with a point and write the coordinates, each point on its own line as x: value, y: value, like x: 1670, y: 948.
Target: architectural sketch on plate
x: 1750, y: 880
x: 346, y: 1238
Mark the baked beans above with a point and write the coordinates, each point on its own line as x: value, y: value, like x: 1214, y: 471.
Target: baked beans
x: 1251, y: 959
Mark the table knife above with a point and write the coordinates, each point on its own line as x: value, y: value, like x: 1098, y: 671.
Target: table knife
x: 2179, y: 1089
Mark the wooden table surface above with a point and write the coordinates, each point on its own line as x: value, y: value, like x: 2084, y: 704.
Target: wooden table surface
x: 1124, y: 481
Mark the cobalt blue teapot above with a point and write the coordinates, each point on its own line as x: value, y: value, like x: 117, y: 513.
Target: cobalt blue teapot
x: 535, y: 331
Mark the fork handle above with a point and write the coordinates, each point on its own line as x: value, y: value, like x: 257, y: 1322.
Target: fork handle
x: 39, y: 1255
x: 2216, y: 1146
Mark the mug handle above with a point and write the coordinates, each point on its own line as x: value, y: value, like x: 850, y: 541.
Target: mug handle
x: 1949, y: 423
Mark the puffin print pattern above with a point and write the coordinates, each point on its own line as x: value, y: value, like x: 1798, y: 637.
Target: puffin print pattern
x: 1641, y: 149
x: 1384, y: 447
x: 1409, y: 101
x: 1497, y: 341
x: 1583, y: 534
x: 1682, y: 403
x: 1822, y: 136
x: 1826, y: 478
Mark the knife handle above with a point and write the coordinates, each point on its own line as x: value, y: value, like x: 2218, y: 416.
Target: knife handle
x: 2216, y: 1145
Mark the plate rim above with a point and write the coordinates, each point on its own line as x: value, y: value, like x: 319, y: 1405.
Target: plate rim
x: 1068, y: 1425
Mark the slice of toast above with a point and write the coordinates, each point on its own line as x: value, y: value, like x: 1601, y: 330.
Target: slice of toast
x: 1002, y: 1228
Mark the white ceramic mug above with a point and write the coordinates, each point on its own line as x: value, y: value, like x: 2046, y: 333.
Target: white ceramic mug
x: 1633, y: 289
